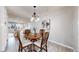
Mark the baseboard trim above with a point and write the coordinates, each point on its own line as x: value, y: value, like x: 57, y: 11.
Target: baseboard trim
x: 61, y: 44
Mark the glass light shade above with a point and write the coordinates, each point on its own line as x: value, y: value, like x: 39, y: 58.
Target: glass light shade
x: 32, y: 19
x: 37, y: 20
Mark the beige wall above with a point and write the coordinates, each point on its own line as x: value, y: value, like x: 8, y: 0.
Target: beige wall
x: 62, y: 26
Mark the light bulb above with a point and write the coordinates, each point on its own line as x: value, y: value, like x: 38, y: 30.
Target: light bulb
x: 37, y: 20
x: 32, y: 19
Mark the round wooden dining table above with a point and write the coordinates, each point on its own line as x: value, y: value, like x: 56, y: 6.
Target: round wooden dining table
x: 33, y: 38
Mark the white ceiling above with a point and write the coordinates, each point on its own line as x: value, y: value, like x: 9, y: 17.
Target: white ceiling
x: 26, y: 12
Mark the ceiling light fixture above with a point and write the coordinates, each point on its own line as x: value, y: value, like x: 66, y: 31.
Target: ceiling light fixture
x: 35, y: 17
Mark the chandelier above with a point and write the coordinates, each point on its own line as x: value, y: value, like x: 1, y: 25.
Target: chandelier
x: 35, y: 17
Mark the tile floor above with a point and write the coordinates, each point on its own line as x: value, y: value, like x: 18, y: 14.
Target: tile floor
x: 12, y: 46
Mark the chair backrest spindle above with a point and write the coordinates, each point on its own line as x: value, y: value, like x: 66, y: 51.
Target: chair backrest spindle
x: 44, y: 38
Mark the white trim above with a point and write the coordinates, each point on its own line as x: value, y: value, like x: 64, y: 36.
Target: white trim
x: 62, y: 44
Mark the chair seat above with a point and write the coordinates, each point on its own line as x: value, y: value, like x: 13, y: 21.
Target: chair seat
x: 26, y: 42
x: 38, y: 43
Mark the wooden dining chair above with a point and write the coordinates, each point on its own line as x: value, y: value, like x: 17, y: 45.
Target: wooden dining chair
x: 41, y: 31
x: 42, y: 45
x: 27, y: 32
x: 22, y: 42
